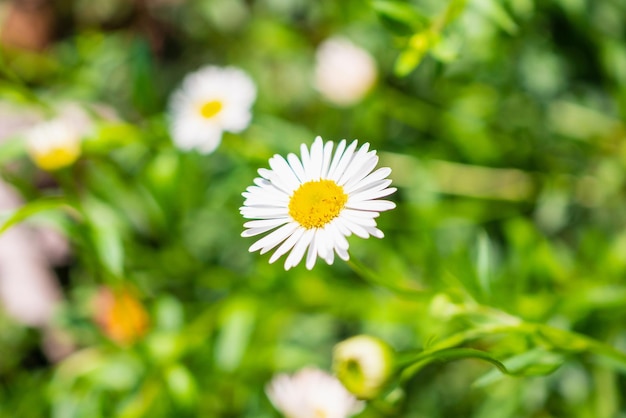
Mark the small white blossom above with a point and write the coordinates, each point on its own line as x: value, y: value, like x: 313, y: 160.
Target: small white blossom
x: 344, y: 73
x: 210, y: 101
x: 312, y: 393
x: 54, y: 144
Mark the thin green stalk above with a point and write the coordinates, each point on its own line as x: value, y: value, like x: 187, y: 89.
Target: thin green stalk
x: 368, y: 275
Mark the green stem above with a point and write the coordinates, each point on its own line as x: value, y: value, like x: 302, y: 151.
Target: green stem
x: 368, y: 275
x: 556, y: 339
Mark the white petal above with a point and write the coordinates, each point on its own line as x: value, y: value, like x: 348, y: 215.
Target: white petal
x: 375, y: 232
x: 336, y: 236
x: 343, y: 162
x: 328, y: 153
x: 321, y: 242
x: 311, y: 255
x: 283, y: 170
x: 371, y: 194
x: 284, y: 184
x: 355, y: 228
x: 273, y: 239
x: 343, y: 254
x: 336, y: 158
x: 364, y: 222
x: 378, y: 205
x: 256, y: 231
x: 360, y: 167
x: 305, y: 158
x: 256, y: 212
x: 314, y: 169
x: 297, y: 253
x: 377, y: 175
x: 288, y: 244
x: 330, y: 257
x: 296, y: 166
x: 266, y: 222
x: 360, y: 213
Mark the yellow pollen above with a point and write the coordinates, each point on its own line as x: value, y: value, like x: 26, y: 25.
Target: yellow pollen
x: 210, y: 109
x: 316, y: 203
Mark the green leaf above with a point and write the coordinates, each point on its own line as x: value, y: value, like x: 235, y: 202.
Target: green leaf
x: 31, y: 209
x: 483, y: 263
x: 182, y: 385
x: 498, y: 14
x: 400, y: 18
x: 449, y: 354
x: 12, y: 149
x: 106, y: 234
x: 238, y: 321
x: 454, y: 10
x: 419, y: 45
x: 537, y: 362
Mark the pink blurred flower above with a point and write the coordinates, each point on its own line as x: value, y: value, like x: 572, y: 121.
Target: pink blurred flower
x: 312, y: 393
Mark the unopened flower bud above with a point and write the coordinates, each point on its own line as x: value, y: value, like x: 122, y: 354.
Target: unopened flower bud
x: 364, y: 365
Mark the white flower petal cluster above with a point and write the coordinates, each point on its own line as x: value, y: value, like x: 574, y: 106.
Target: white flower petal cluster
x: 53, y: 144
x: 311, y: 393
x: 210, y: 101
x: 312, y: 203
x: 344, y: 73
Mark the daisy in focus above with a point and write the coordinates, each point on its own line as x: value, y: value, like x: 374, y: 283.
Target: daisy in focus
x: 344, y: 73
x: 210, y: 101
x: 312, y: 203
x: 54, y: 144
x: 311, y: 393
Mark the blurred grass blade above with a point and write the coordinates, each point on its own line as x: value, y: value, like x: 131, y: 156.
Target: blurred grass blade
x: 483, y: 263
x: 498, y: 14
x: 182, y: 385
x: 400, y: 18
x: 106, y: 235
x: 31, y: 209
x: 238, y: 323
x: 12, y: 149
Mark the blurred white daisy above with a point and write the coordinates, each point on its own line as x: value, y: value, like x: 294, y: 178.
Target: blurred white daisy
x: 312, y: 393
x: 53, y: 144
x: 316, y: 201
x: 210, y: 101
x: 344, y: 73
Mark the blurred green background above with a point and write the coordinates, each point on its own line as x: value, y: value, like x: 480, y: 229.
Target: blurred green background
x: 503, y: 122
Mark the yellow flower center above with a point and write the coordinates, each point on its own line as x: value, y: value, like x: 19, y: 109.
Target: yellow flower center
x: 56, y: 158
x: 210, y: 108
x: 320, y: 413
x: 316, y: 203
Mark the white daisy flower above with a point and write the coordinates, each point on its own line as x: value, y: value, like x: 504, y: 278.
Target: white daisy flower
x: 344, y: 73
x: 210, y: 101
x: 53, y: 144
x: 316, y: 201
x: 312, y: 393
